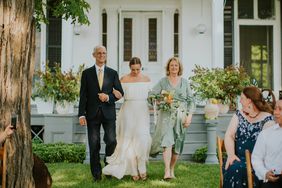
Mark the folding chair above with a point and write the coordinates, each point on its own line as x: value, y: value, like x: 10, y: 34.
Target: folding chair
x: 249, y: 168
x: 220, y: 150
x: 3, y: 158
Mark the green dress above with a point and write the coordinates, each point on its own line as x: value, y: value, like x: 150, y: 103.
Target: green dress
x: 169, y: 130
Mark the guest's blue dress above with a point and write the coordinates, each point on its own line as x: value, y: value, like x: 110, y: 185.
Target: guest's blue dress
x: 236, y: 176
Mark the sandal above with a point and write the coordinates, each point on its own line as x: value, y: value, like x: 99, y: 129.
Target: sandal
x: 135, y: 178
x: 143, y: 176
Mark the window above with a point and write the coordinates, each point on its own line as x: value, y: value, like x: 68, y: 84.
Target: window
x: 176, y: 34
x: 265, y: 9
x: 54, y: 37
x: 152, y: 39
x: 256, y: 53
x: 127, y: 39
x: 104, y: 28
x: 245, y: 9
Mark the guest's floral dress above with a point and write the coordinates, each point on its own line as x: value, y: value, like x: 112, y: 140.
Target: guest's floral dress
x: 236, y: 176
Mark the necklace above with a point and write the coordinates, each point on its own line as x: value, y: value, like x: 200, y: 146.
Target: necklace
x: 254, y: 115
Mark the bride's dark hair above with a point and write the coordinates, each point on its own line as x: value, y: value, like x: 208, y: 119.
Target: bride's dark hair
x: 134, y: 61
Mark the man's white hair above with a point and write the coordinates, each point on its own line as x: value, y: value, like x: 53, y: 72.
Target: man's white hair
x: 98, y: 47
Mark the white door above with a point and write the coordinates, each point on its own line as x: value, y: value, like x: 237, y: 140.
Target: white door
x: 140, y: 37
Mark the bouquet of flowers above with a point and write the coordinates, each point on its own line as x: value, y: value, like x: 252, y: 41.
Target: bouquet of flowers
x: 164, y: 101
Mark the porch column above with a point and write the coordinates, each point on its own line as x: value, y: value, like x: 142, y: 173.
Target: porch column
x: 211, y: 139
x: 90, y: 36
x: 167, y: 35
x: 217, y: 33
x: 67, y: 39
x: 112, y: 38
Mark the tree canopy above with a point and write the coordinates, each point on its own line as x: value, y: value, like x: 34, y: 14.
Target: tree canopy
x: 66, y: 9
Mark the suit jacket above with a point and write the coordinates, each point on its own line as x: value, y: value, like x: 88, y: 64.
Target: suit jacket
x: 89, y: 101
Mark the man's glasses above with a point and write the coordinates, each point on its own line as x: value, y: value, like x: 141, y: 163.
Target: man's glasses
x: 101, y: 53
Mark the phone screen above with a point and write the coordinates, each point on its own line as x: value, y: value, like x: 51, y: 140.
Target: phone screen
x: 14, y: 121
x: 276, y: 173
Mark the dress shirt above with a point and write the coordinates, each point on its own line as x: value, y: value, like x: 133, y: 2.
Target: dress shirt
x: 97, y: 73
x: 267, y: 153
x: 97, y: 69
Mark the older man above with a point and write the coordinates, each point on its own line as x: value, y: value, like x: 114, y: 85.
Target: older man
x: 267, y: 153
x: 97, y: 107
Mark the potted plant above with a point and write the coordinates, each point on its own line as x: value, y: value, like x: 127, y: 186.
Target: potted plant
x: 222, y: 84
x: 66, y: 89
x: 43, y: 91
x: 61, y: 86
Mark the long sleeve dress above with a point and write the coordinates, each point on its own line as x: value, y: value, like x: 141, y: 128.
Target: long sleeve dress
x: 169, y: 130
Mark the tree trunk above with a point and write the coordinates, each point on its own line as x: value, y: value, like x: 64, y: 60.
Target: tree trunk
x: 17, y: 48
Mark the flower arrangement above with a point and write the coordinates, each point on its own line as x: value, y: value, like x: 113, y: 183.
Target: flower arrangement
x: 222, y: 84
x: 163, y: 101
x: 55, y: 84
x: 167, y: 101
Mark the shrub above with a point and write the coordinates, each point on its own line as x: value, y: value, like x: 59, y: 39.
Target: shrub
x: 53, y: 83
x: 200, y: 154
x: 224, y: 84
x: 60, y: 152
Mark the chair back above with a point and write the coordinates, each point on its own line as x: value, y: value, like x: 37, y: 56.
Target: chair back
x: 3, y: 158
x: 220, y: 150
x: 249, y: 169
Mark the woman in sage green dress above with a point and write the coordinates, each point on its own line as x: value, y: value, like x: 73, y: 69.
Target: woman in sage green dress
x: 171, y: 122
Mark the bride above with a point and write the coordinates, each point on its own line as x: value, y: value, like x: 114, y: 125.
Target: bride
x: 133, y: 127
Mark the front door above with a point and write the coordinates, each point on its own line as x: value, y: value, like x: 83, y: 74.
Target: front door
x: 140, y: 37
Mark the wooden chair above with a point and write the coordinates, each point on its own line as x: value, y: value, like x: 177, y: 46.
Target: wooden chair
x: 3, y: 158
x: 249, y: 169
x: 220, y: 150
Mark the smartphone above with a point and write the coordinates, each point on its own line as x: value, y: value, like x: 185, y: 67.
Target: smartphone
x: 280, y: 94
x: 276, y: 173
x: 14, y: 120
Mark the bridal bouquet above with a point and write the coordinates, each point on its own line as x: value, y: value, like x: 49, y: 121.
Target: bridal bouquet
x: 164, y: 101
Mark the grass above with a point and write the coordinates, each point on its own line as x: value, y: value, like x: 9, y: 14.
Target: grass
x: 189, y: 175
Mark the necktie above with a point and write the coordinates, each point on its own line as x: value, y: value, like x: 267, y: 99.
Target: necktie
x: 100, y: 78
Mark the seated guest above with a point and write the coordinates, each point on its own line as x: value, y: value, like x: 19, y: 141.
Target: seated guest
x: 242, y: 133
x: 267, y: 153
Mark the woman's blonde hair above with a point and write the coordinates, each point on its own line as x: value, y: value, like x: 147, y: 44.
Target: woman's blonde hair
x: 180, y: 72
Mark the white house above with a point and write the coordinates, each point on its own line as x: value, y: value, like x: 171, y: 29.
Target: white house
x: 210, y: 33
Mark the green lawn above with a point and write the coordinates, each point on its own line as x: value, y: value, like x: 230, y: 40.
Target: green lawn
x: 74, y: 175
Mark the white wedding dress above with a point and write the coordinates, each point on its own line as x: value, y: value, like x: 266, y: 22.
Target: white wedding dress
x: 133, y: 133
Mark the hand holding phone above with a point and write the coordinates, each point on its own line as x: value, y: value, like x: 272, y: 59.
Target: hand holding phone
x: 276, y: 173
x: 14, y: 120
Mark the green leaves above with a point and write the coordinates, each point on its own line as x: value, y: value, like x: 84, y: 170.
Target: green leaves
x: 60, y: 152
x: 224, y: 84
x: 200, y: 154
x: 72, y: 9
x: 57, y: 85
x: 66, y: 9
